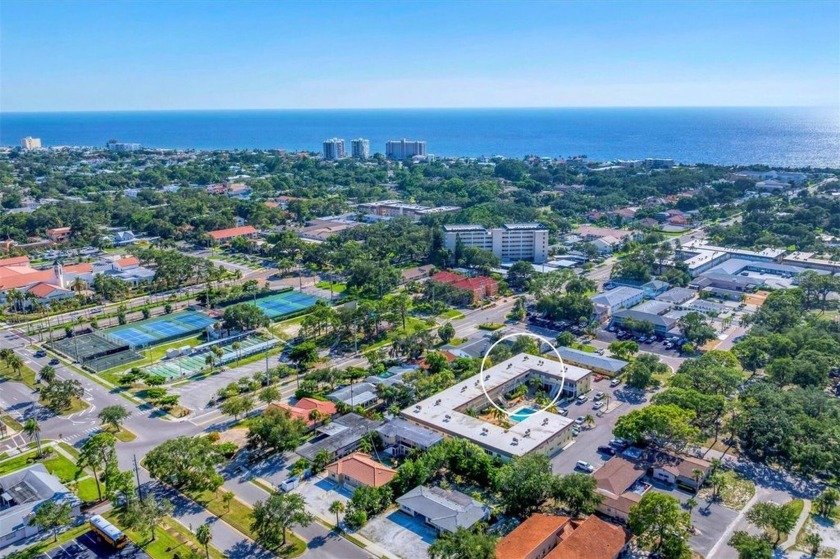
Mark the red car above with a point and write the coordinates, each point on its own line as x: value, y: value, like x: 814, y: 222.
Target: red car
x: 599, y: 378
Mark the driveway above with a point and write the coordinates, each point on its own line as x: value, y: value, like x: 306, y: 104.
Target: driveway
x: 319, y: 493
x: 406, y: 536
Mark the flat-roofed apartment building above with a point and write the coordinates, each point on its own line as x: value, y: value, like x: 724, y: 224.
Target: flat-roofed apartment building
x: 451, y: 411
x: 510, y: 242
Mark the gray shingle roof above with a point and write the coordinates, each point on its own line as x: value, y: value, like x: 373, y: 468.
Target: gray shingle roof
x: 591, y: 360
x: 416, y: 434
x: 448, y: 510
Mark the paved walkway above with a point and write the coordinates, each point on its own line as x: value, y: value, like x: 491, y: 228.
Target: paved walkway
x: 803, y: 517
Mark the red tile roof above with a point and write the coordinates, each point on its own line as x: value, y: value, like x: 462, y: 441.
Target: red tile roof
x: 222, y: 234
x: 591, y: 539
x: 22, y: 280
x: 79, y: 268
x: 14, y: 260
x: 44, y: 289
x: 303, y: 407
x: 447, y: 277
x: 363, y: 469
x: 270, y: 204
x: 530, y: 535
x: 128, y: 261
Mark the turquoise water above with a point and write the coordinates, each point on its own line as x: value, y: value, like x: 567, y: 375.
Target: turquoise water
x: 773, y: 136
x: 523, y: 414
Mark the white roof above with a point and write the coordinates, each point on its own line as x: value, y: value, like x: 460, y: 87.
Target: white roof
x: 445, y: 411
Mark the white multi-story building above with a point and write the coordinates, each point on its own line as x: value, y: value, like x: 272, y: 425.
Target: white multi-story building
x: 360, y: 148
x: 333, y: 149
x: 404, y: 149
x: 511, y: 242
x: 396, y: 208
x: 121, y: 146
x: 29, y: 143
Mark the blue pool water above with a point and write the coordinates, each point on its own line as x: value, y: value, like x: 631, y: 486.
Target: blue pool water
x: 523, y: 414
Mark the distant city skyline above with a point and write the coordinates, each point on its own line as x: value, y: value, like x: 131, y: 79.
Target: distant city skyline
x: 206, y: 55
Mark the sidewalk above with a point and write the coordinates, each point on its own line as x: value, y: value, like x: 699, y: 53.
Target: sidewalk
x: 803, y: 517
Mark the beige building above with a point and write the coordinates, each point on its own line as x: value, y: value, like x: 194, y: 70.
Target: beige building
x: 29, y: 143
x: 511, y: 242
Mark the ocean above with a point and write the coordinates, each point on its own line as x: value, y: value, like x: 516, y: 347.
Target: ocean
x: 794, y: 137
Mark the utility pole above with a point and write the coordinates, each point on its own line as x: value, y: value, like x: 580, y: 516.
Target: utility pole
x: 137, y: 475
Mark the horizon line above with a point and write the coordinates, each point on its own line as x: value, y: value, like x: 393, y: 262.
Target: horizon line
x: 497, y: 108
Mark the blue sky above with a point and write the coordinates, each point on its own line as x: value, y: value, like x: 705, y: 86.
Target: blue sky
x: 122, y: 55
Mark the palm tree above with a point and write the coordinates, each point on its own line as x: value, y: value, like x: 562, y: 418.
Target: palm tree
x: 235, y: 346
x: 316, y: 416
x: 15, y: 362
x: 204, y: 536
x: 690, y: 503
x: 33, y: 430
x: 589, y: 421
x: 697, y: 475
x: 336, y: 507
x: 47, y: 373
x: 78, y: 285
x: 209, y: 361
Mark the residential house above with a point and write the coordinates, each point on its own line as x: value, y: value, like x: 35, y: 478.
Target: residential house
x: 687, y: 472
x: 620, y: 484
x: 359, y: 394
x: 21, y: 494
x: 339, y: 437
x: 303, y: 408
x: 358, y: 470
x: 560, y: 537
x: 676, y: 295
x: 58, y: 234
x: 655, y: 287
x: 401, y: 436
x: 607, y: 245
x: 444, y: 510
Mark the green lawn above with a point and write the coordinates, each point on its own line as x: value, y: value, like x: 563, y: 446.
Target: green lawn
x: 490, y: 326
x: 336, y: 287
x: 8, y: 420
x: 451, y: 314
x: 56, y: 464
x: 25, y: 375
x: 170, y: 538
x: 239, y: 515
x: 86, y: 490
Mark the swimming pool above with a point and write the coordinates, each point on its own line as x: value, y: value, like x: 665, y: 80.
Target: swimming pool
x: 523, y: 413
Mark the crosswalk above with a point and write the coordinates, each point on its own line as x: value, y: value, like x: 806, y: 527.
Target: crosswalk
x: 81, y: 435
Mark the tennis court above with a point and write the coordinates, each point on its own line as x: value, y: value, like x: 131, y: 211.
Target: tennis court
x: 161, y: 329
x: 288, y: 302
x: 197, y: 360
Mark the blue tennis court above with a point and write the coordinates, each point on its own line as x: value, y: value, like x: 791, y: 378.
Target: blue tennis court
x: 288, y: 302
x: 162, y: 328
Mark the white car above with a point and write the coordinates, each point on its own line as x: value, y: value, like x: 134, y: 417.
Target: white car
x: 584, y: 466
x: 579, y: 420
x: 615, y: 382
x: 597, y: 405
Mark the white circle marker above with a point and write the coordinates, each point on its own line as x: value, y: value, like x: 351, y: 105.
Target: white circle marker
x: 516, y: 335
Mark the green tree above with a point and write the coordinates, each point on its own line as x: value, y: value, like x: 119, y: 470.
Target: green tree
x: 446, y: 332
x: 269, y: 394
x: 33, y: 430
x: 275, y: 431
x: 58, y: 395
x: 274, y: 516
x: 96, y: 453
x: 463, y: 544
x: 826, y: 501
x: 113, y: 415
x: 336, y: 507
x: 47, y: 373
x: 663, y: 425
x: 188, y: 463
x: 624, y: 349
x: 525, y: 484
x: 696, y: 328
x: 640, y: 372
x: 145, y: 514
x: 227, y: 499
x: 204, y: 536
x: 52, y: 515
x: 519, y: 274
x: 237, y: 405
x: 751, y: 547
x: 660, y: 525
x: 776, y: 520
x: 578, y: 493
x: 244, y: 316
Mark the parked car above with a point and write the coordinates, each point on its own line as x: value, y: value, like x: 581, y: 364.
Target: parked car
x: 615, y: 382
x: 582, y: 398
x: 575, y: 431
x: 599, y: 396
x: 564, y: 412
x: 597, y: 405
x: 579, y: 420
x: 584, y: 466
x: 619, y: 444
x: 606, y: 449
x: 598, y: 378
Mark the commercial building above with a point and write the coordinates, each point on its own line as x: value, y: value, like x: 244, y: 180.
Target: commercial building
x: 121, y: 146
x: 334, y: 149
x: 29, y: 143
x: 623, y: 297
x: 222, y: 235
x: 360, y: 148
x: 480, y: 287
x: 395, y: 208
x: 662, y: 324
x: 444, y: 510
x: 21, y: 493
x: 545, y: 536
x: 404, y: 149
x: 598, y: 364
x: 454, y: 411
x: 511, y: 242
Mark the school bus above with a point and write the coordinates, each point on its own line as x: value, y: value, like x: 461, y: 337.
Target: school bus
x: 107, y: 532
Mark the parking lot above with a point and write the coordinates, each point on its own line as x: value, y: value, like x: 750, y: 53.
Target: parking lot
x: 87, y: 547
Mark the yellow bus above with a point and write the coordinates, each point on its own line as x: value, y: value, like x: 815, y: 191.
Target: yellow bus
x: 107, y: 532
